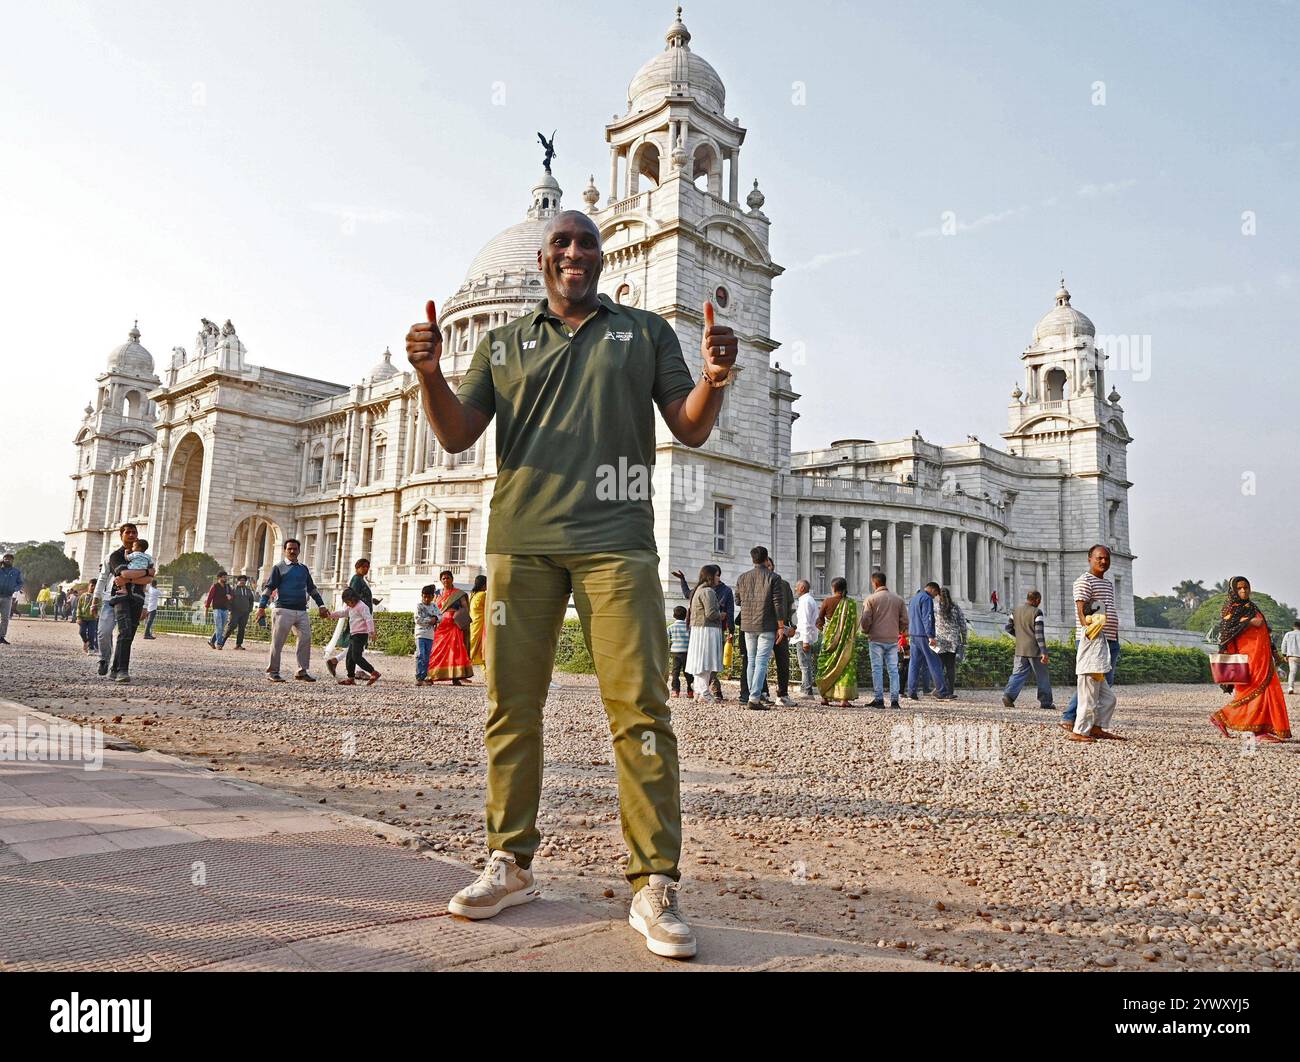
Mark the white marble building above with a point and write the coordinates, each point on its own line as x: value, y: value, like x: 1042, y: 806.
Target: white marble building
x: 231, y: 458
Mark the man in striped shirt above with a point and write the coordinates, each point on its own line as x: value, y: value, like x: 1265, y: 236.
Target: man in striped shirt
x: 1092, y: 586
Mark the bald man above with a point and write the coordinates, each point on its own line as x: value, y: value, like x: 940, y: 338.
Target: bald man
x: 573, y: 386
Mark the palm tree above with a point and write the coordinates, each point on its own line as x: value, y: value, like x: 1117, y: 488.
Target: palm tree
x: 1221, y: 587
x: 1192, y: 592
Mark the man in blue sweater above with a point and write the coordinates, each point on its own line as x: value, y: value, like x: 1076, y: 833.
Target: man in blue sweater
x: 920, y: 628
x: 292, y: 584
x: 11, y: 581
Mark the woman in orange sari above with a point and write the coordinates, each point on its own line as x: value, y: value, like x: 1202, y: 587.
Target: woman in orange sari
x: 1258, y: 706
x: 450, y: 656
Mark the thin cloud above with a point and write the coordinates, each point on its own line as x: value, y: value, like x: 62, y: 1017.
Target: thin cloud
x: 1205, y: 297
x: 366, y: 215
x: 819, y: 260
x: 981, y: 222
x: 1094, y: 191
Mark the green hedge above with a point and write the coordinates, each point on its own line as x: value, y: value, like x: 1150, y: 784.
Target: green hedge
x: 987, y: 664
x: 394, y: 631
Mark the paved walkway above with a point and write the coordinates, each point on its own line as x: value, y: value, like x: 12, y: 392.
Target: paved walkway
x: 149, y: 863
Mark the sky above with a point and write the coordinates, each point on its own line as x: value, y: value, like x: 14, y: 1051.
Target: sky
x: 315, y: 172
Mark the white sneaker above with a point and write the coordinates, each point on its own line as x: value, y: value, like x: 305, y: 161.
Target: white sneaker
x: 656, y: 916
x: 502, y: 884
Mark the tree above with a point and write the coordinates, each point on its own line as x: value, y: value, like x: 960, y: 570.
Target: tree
x: 1281, y: 617
x: 193, y: 571
x: 1149, y: 612
x: 1192, y: 592
x: 44, y: 565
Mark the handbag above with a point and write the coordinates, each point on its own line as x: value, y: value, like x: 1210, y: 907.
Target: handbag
x: 727, y: 655
x: 1230, y: 668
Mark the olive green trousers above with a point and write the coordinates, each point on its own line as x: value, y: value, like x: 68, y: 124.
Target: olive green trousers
x: 620, y: 604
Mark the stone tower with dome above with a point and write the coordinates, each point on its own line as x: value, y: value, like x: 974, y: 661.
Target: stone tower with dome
x: 675, y: 233
x: 118, y: 423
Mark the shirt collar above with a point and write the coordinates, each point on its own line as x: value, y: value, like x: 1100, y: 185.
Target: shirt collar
x: 542, y: 311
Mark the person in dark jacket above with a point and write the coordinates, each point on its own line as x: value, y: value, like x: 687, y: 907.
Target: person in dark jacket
x: 219, y: 601
x: 763, y: 611
x: 920, y: 628
x: 241, y: 607
x: 11, y: 583
x: 781, y: 649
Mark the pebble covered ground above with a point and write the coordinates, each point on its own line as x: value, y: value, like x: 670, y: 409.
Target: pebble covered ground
x: 991, y: 842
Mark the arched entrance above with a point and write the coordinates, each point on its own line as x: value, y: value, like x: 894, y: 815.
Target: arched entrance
x: 255, y: 548
x: 185, y: 486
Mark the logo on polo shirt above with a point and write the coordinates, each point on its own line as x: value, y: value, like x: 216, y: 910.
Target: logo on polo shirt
x: 622, y: 337
x: 530, y: 344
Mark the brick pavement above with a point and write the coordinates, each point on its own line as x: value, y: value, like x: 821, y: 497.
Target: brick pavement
x: 150, y: 864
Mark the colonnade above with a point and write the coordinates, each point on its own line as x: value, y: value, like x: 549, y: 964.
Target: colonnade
x: 910, y: 553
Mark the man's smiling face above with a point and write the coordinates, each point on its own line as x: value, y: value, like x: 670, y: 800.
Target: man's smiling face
x: 570, y: 258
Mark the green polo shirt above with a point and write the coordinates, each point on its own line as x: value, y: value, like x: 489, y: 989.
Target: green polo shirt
x: 575, y: 426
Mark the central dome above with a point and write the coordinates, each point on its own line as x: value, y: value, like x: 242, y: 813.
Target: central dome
x: 509, y: 251
x: 1063, y: 320
x: 515, y: 248
x: 677, y: 71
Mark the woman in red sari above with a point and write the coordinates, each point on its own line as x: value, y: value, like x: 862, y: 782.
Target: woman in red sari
x: 1258, y: 706
x: 449, y: 660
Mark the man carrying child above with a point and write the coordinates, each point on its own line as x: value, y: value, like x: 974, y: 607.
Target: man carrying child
x: 127, y: 602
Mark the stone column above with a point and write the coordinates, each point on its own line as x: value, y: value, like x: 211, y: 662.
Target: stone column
x: 613, y: 175
x: 805, y: 550
x: 733, y: 193
x: 917, y: 575
x: 864, y: 555
x: 999, y: 582
x: 959, y: 564
x: 834, y: 551
x: 363, y: 460
x: 887, y: 555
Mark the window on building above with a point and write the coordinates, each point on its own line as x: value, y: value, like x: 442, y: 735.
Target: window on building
x: 331, y: 551
x: 316, y: 467
x: 467, y: 457
x: 367, y: 542
x: 423, y: 541
x: 380, y: 452
x: 309, y: 551
x: 721, y: 528
x: 457, y: 538
x: 401, y: 553
x: 336, y: 465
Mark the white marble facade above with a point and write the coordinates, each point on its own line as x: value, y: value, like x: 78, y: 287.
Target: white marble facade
x: 231, y: 458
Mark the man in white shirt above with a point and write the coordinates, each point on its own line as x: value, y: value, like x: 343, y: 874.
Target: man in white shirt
x: 806, y: 635
x: 151, y: 596
x: 1291, y: 650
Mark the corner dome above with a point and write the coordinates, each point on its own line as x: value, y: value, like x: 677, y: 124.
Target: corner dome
x: 1063, y: 320
x: 677, y: 71
x: 384, y: 369
x: 131, y: 359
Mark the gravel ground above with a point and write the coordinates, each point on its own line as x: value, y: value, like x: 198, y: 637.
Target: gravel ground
x: 1176, y: 849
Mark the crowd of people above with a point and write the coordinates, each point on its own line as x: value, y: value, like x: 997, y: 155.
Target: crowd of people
x: 917, y: 645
